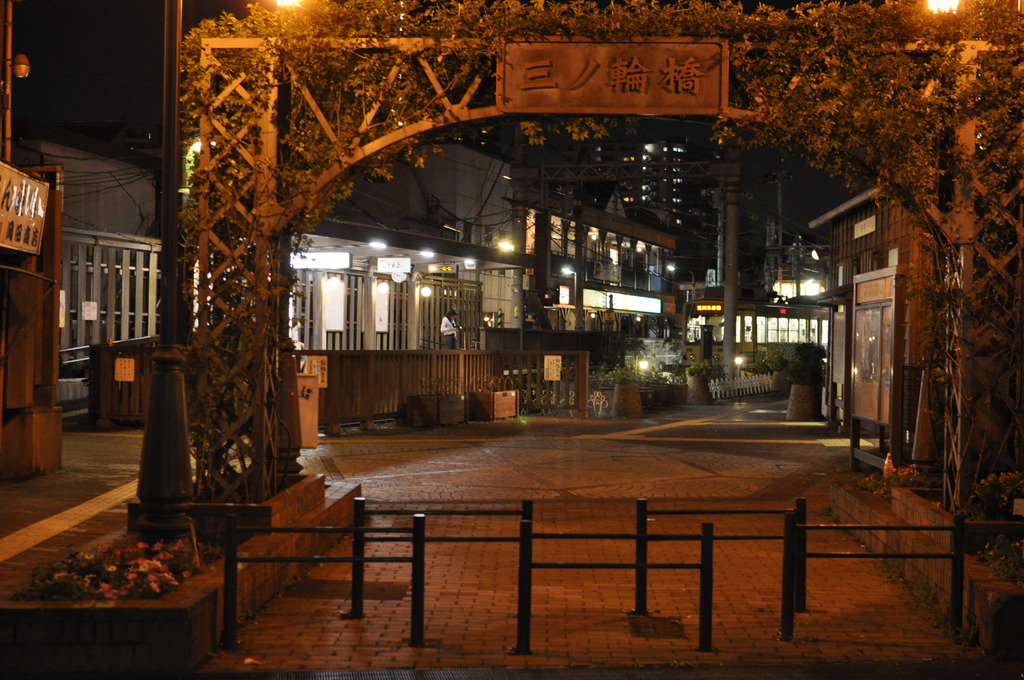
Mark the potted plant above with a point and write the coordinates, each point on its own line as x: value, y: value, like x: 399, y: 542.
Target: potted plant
x: 805, y: 371
x: 626, y: 397
x: 774, y: 363
x: 698, y: 383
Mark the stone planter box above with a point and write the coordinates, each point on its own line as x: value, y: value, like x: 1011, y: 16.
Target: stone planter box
x: 301, y: 494
x: 698, y: 390
x: 171, y: 635
x: 626, y: 401
x: 916, y: 507
x: 996, y: 607
x: 802, y: 405
x: 491, y: 405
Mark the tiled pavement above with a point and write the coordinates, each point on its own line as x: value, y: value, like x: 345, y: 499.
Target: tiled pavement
x: 584, y: 477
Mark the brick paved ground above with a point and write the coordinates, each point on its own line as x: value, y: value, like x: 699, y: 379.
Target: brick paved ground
x: 584, y: 477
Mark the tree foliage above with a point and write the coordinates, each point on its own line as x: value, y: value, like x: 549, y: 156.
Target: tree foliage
x: 886, y: 94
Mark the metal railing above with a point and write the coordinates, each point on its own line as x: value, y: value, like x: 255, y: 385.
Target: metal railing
x: 794, y: 560
x: 232, y: 559
x: 360, y: 539
x: 795, y: 556
x: 640, y: 568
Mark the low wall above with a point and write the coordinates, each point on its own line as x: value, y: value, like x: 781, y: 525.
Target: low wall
x: 174, y: 633
x: 996, y: 607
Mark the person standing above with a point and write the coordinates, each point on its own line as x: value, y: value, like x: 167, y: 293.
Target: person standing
x: 449, y: 329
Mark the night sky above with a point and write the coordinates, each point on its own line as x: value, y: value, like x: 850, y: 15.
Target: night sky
x: 101, y: 60
x: 97, y: 60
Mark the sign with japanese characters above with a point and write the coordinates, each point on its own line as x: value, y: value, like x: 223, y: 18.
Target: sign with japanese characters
x: 317, y: 364
x: 552, y: 367
x: 680, y: 76
x: 124, y: 369
x: 22, y: 210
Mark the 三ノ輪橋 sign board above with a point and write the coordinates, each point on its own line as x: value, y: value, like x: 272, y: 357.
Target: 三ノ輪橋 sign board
x: 673, y: 76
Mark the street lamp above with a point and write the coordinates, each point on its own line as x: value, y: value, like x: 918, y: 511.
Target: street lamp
x: 577, y: 303
x: 15, y: 66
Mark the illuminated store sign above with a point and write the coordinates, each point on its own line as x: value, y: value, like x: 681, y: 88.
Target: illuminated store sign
x: 330, y: 260
x: 394, y: 265
x: 622, y: 302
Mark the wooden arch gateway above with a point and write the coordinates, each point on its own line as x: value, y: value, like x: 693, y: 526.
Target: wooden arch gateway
x: 282, y: 122
x: 239, y: 239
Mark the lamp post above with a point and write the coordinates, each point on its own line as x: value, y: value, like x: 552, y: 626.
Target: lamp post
x: 15, y: 66
x: 576, y: 302
x: 165, y: 476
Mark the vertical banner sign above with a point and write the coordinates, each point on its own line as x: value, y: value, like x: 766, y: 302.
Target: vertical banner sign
x: 381, y: 309
x: 22, y: 210
x: 332, y: 296
x: 681, y: 76
x: 552, y: 367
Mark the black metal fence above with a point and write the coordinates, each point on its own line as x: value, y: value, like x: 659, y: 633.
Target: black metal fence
x: 416, y: 536
x: 794, y: 560
x: 795, y: 556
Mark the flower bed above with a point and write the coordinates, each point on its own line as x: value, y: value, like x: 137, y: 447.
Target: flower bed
x: 172, y: 634
x: 126, y: 569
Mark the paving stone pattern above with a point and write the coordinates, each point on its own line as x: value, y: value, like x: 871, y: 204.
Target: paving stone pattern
x: 584, y: 476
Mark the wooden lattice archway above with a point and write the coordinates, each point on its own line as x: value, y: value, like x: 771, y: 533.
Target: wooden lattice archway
x: 276, y: 111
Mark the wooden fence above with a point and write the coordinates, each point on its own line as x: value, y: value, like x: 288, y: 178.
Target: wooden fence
x: 365, y: 386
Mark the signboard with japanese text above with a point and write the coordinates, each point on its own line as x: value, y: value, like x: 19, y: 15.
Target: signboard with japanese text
x: 675, y: 76
x: 22, y: 210
x: 124, y: 369
x: 552, y: 367
x: 317, y: 365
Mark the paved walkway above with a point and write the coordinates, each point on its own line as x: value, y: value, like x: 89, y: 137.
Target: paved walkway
x: 584, y: 477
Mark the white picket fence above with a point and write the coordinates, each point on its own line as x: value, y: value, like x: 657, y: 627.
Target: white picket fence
x: 728, y: 388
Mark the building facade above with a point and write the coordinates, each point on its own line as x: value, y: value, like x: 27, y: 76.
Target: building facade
x: 874, y: 387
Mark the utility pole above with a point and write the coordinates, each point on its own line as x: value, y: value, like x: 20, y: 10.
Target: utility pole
x: 729, y: 174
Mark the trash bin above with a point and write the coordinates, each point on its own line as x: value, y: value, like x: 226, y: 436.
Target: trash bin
x: 308, y: 394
